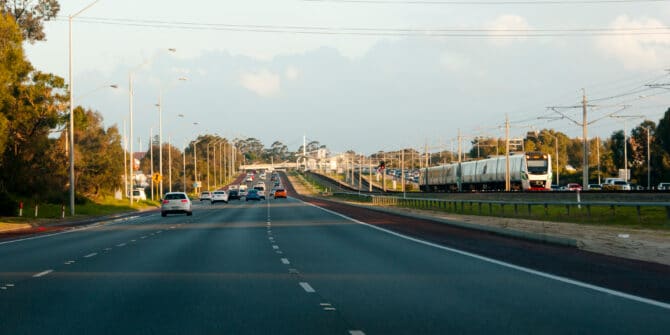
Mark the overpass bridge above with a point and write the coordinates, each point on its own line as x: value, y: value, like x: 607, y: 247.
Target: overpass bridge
x: 284, y: 165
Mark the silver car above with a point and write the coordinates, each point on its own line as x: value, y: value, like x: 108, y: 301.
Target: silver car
x: 176, y: 202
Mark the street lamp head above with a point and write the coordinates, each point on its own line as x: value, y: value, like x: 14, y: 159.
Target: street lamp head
x: 182, y: 78
x: 172, y: 50
x: 114, y: 86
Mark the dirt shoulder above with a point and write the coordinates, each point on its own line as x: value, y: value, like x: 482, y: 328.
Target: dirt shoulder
x: 639, y: 244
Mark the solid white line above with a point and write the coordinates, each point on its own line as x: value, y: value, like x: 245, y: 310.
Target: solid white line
x: 285, y: 261
x: 43, y: 273
x: 305, y: 286
x: 91, y: 255
x: 507, y: 265
x: 86, y: 227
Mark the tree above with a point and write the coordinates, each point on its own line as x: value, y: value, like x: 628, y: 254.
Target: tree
x: 14, y: 68
x: 98, y: 153
x: 30, y: 16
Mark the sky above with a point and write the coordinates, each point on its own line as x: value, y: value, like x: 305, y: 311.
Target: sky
x: 364, y: 75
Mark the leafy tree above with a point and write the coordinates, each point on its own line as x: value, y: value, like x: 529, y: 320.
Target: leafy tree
x: 98, y: 154
x: 14, y: 68
x: 30, y: 15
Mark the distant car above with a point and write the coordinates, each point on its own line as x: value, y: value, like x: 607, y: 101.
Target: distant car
x: 252, y: 195
x: 573, y: 187
x: 205, y: 195
x: 176, y: 202
x: 555, y: 188
x: 250, y: 179
x: 621, y: 185
x: 219, y: 196
x: 663, y: 187
x: 594, y: 187
x: 139, y: 194
x: 233, y: 195
x: 280, y: 193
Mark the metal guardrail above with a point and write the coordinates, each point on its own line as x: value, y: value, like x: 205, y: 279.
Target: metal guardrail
x: 459, y: 205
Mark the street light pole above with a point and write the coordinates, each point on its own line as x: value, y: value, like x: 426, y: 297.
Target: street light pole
x: 160, y: 141
x: 184, y: 166
x: 71, y: 86
x: 195, y: 165
x: 169, y: 164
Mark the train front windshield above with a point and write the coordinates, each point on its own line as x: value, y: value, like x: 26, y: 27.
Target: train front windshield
x: 538, y: 166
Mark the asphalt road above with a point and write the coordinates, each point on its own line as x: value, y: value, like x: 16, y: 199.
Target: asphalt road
x: 287, y: 267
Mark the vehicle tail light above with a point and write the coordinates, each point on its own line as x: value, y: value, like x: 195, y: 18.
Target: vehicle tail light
x: 184, y: 200
x: 166, y: 201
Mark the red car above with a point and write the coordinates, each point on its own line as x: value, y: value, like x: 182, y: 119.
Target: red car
x: 574, y: 187
x: 280, y: 193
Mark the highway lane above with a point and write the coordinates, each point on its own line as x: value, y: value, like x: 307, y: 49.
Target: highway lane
x: 285, y: 267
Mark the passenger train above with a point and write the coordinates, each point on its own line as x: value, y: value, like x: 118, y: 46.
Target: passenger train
x: 528, y: 171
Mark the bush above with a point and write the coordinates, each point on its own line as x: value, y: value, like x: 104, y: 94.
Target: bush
x: 8, y: 206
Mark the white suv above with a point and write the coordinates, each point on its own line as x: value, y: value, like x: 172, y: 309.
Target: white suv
x: 205, y: 195
x: 176, y: 202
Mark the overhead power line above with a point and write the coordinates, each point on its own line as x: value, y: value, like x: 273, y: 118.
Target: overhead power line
x: 367, y: 31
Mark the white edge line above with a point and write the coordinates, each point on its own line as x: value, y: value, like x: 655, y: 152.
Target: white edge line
x: 91, y: 255
x: 86, y: 227
x: 508, y: 265
x: 308, y: 288
x: 43, y: 273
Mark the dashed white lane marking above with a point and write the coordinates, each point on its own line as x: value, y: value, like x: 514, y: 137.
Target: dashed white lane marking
x: 143, y: 237
x: 133, y: 240
x: 305, y: 286
x: 275, y: 247
x: 9, y: 285
x: 91, y: 255
x: 121, y: 245
x: 69, y: 262
x: 108, y: 249
x: 3, y: 288
x: 43, y: 273
x: 505, y: 264
x: 279, y: 252
x: 356, y: 332
x: 158, y: 232
x: 285, y: 261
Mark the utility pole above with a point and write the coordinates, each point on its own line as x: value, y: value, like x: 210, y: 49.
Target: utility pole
x: 648, y: 161
x: 184, y: 166
x: 402, y: 172
x: 151, y: 156
x: 370, y: 176
x: 598, y: 153
x: 585, y: 168
x: 169, y: 165
x: 125, y: 166
x: 459, y: 146
x: 507, y: 172
x: 160, y: 142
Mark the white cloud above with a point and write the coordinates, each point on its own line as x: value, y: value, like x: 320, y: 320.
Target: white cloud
x: 292, y: 73
x: 263, y: 83
x: 506, y: 25
x: 636, y: 52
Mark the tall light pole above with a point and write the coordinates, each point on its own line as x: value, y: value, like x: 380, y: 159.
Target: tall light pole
x: 160, y: 141
x: 195, y: 165
x: 130, y: 108
x: 71, y: 88
x: 184, y: 167
x: 160, y: 135
x: 648, y: 161
x: 169, y: 164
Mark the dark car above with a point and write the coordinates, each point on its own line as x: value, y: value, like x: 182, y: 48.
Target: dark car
x: 252, y: 194
x: 233, y: 195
